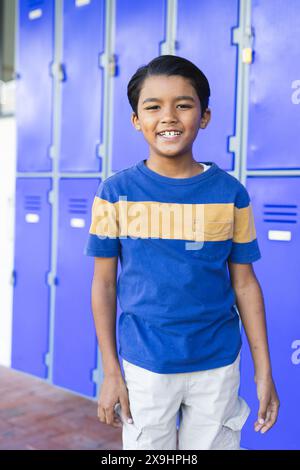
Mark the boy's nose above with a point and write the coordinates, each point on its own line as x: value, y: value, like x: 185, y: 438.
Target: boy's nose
x: 169, y: 119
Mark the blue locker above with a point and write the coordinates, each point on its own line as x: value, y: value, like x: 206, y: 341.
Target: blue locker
x: 32, y: 262
x: 274, y: 95
x: 75, y: 345
x: 204, y: 36
x: 81, y: 125
x: 34, y: 85
x: 275, y: 203
x: 140, y: 27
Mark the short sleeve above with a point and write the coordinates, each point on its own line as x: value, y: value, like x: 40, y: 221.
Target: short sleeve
x: 245, y: 247
x: 103, y: 237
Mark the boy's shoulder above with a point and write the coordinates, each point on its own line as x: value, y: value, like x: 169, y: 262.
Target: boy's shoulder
x: 229, y: 178
x: 119, y: 176
x: 231, y: 182
x: 238, y: 191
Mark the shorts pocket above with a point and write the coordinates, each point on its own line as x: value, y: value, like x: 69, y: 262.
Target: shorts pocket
x: 130, y: 436
x: 230, y: 431
x: 237, y: 421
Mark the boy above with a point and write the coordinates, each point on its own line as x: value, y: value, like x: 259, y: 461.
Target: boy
x: 177, y: 225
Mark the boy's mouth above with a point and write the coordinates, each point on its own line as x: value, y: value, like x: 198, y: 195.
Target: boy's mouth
x: 169, y: 135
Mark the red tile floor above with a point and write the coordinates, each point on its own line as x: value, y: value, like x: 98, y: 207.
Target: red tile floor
x: 36, y: 415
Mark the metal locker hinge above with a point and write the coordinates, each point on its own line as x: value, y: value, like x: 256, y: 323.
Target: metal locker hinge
x: 100, y: 148
x: 58, y: 70
x: 51, y: 279
x: 95, y: 376
x: 47, y: 359
x: 50, y: 196
x: 233, y: 144
x: 109, y: 61
x: 51, y: 152
x: 245, y: 38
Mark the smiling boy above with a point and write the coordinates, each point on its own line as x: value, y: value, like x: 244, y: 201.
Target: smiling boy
x: 185, y: 235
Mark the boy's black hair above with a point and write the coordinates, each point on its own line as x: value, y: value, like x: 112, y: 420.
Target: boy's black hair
x: 169, y: 65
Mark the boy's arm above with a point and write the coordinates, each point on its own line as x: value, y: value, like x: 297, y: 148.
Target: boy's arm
x: 104, y: 306
x: 250, y: 303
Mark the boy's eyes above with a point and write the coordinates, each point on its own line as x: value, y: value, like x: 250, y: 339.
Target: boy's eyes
x: 183, y: 105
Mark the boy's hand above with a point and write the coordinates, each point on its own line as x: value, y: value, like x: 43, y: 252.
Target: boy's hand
x: 113, y: 390
x: 268, y: 404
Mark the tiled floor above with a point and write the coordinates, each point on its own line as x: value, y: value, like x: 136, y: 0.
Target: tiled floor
x: 35, y: 415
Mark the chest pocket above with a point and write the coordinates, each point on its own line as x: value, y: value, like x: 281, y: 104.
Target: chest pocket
x: 217, y: 241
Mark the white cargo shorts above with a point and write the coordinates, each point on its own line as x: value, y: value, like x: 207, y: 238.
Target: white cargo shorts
x: 212, y: 412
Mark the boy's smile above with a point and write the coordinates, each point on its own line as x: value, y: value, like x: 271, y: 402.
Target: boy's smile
x: 169, y: 115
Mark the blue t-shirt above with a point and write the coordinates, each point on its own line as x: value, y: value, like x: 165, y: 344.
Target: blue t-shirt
x: 174, y: 237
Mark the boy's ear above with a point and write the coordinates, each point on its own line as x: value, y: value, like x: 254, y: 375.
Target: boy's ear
x: 135, y: 121
x: 205, y: 118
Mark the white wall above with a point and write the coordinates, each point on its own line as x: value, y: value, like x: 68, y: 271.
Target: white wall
x: 7, y: 204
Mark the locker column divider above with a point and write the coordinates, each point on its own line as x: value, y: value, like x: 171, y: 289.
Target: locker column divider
x: 238, y: 143
x: 108, y: 61
x: 247, y: 44
x: 241, y: 38
x: 169, y: 46
x: 54, y: 193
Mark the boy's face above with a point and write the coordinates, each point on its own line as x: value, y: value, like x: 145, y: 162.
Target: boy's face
x: 160, y: 109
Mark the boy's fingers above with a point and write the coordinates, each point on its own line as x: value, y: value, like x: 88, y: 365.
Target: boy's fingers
x: 262, y: 415
x: 125, y: 410
x: 263, y: 406
x: 106, y: 415
x: 110, y: 415
x: 101, y: 414
x: 269, y: 423
x: 273, y: 413
x: 257, y: 426
x: 270, y: 420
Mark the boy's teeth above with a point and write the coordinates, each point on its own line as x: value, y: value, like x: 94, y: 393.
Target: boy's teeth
x: 169, y: 134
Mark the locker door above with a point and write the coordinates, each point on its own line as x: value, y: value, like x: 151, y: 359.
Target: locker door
x: 140, y: 27
x: 75, y: 346
x: 274, y: 95
x: 81, y: 126
x: 205, y: 37
x: 31, y: 266
x: 34, y: 85
x: 275, y: 202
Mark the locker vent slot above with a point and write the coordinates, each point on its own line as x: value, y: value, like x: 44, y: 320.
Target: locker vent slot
x: 287, y: 213
x: 32, y: 203
x: 35, y: 3
x: 78, y: 205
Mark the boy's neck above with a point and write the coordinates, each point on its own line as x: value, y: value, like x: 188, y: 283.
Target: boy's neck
x: 174, y: 168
